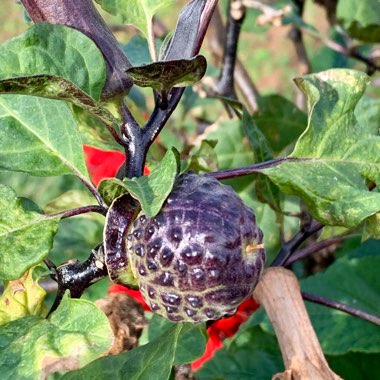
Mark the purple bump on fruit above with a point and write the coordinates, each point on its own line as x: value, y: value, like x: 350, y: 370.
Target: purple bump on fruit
x: 204, y: 251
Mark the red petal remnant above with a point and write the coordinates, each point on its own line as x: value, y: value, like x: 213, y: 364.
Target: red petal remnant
x: 104, y: 164
x: 224, y: 328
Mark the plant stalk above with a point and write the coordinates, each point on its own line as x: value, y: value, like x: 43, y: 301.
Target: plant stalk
x: 279, y: 292
x: 289, y: 247
x: 78, y: 211
x: 250, y: 169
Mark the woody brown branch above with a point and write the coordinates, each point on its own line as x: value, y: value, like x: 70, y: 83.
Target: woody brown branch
x: 279, y: 292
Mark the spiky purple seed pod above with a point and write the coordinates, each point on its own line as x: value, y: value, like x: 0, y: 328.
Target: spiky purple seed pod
x: 201, y: 256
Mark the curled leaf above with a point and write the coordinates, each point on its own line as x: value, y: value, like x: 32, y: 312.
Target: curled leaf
x: 164, y: 75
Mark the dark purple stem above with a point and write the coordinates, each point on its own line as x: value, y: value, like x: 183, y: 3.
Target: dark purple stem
x: 93, y: 190
x: 113, y: 133
x: 251, y: 169
x: 342, y: 307
x: 225, y: 85
x: 313, y: 248
x: 78, y: 211
x: 159, y: 117
x: 295, y: 34
x: 135, y: 151
x: 290, y: 246
x: 77, y: 276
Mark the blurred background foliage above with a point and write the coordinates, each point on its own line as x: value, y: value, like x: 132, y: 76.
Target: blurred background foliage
x: 269, y: 57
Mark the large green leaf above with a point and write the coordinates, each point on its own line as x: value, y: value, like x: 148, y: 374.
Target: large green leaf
x: 136, y: 12
x: 40, y: 137
x: 56, y: 87
x: 353, y: 281
x: 337, y: 156
x: 26, y: 236
x: 151, y: 361
x: 55, y: 50
x: 361, y: 18
x: 191, y: 341
x: 75, y: 334
x: 355, y: 365
x: 151, y: 190
x: 332, y: 126
x: 253, y: 354
x: 280, y: 121
x: 22, y: 297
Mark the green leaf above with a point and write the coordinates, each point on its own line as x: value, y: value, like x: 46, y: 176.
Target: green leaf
x: 232, y: 149
x: 336, y: 157
x: 191, y: 341
x: 360, y: 18
x: 26, y: 236
x: 55, y: 50
x: 266, y: 191
x: 33, y: 347
x: 367, y: 112
x: 371, y: 227
x: 56, y: 87
x: 202, y: 158
x: 151, y: 190
x: 22, y: 297
x: 166, y: 74
x: 332, y: 97
x: 353, y: 281
x: 151, y: 361
x: 40, y: 137
x: 136, y: 12
x: 355, y: 366
x: 253, y: 354
x: 137, y: 50
x: 280, y: 121
x: 111, y: 188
